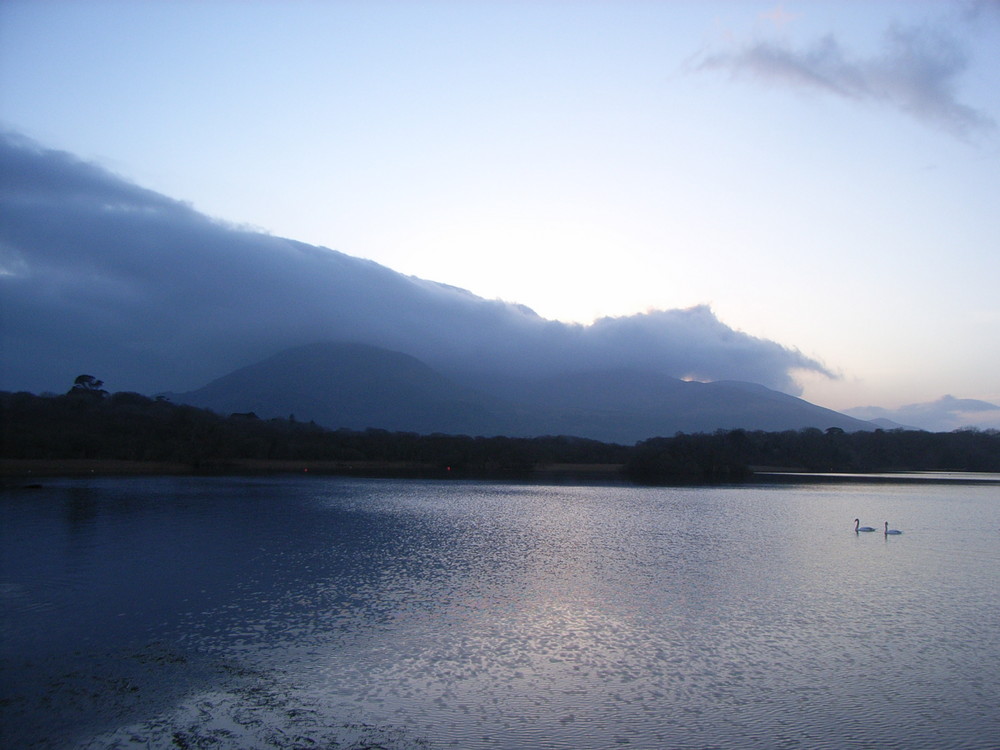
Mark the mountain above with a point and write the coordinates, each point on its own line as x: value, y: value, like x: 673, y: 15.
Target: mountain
x: 887, y: 424
x: 358, y: 386
x: 626, y: 405
x: 349, y: 385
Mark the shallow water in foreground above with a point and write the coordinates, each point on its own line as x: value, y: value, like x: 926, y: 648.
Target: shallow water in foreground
x: 326, y: 612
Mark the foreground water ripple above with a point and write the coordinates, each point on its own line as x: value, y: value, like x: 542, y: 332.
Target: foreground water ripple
x: 310, y: 612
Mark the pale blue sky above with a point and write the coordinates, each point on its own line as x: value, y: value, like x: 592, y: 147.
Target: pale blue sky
x: 825, y: 175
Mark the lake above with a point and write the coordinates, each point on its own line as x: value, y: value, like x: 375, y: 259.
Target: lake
x: 294, y: 611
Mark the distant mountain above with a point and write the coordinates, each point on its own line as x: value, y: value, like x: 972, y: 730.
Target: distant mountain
x: 358, y: 386
x: 946, y: 414
x: 887, y: 424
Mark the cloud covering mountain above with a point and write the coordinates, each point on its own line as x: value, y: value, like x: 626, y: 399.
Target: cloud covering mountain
x: 102, y: 276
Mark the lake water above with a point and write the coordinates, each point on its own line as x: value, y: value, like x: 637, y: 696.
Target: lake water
x: 329, y: 612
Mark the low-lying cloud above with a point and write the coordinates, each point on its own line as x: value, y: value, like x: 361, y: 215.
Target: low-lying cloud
x: 101, y: 276
x: 916, y: 73
x: 944, y: 415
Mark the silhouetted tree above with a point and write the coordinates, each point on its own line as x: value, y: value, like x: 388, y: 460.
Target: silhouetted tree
x: 87, y: 423
x: 88, y: 385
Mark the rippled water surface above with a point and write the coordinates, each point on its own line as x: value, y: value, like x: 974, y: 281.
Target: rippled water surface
x: 324, y: 612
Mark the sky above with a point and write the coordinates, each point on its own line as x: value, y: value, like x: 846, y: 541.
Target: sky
x: 820, y: 176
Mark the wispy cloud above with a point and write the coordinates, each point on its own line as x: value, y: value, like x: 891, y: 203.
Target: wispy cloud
x: 987, y: 11
x: 102, y: 276
x: 916, y: 73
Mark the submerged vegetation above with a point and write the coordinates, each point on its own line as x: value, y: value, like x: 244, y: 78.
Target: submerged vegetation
x: 89, y: 424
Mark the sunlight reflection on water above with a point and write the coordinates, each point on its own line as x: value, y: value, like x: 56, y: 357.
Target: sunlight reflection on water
x: 479, y: 615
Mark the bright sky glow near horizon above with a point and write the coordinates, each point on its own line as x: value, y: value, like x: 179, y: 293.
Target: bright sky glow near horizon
x: 822, y: 174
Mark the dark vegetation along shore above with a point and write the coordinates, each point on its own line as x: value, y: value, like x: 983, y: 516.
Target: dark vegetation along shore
x: 90, y: 431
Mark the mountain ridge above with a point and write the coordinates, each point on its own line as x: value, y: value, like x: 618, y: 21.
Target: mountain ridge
x: 343, y: 384
x: 349, y: 384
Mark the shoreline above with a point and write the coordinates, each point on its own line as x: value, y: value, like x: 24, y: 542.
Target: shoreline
x: 22, y: 471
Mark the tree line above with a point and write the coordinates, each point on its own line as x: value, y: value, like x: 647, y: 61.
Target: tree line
x: 90, y: 423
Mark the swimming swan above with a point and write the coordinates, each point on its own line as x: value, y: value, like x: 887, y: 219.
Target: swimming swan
x: 890, y: 531
x: 862, y: 528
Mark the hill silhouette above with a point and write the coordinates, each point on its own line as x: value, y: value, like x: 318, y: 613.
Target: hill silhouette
x: 350, y: 386
x: 357, y: 386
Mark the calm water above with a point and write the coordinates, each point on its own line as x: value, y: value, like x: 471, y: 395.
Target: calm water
x: 324, y: 612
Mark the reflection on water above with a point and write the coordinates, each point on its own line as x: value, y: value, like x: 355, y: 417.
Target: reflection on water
x: 292, y: 612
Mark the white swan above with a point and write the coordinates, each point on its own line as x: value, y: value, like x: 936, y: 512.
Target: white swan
x: 890, y: 531
x: 861, y: 528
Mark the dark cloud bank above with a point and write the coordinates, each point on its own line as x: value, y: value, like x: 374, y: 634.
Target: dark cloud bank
x: 101, y: 276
